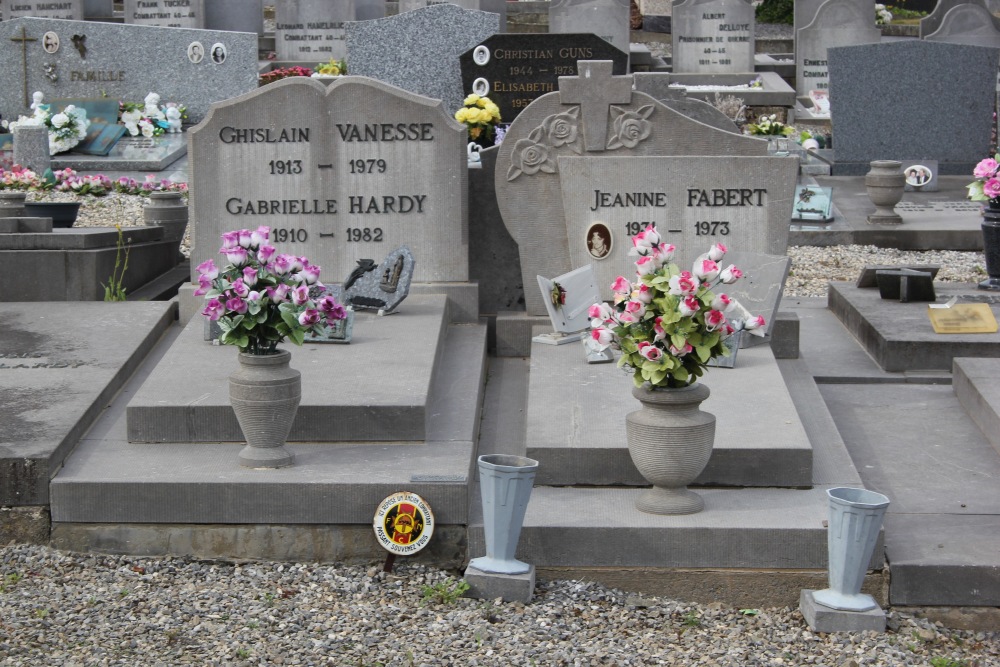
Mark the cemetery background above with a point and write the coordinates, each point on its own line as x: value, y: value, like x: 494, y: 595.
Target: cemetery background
x: 812, y: 316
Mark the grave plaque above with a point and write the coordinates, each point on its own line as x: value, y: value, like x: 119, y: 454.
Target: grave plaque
x: 516, y: 68
x: 124, y: 62
x: 713, y: 36
x: 968, y: 24
x: 837, y: 23
x: 311, y: 30
x: 608, y: 19
x: 70, y: 10
x: 340, y: 174
x: 166, y: 13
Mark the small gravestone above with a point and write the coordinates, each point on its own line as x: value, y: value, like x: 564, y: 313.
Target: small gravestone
x: 166, y: 13
x: 340, y: 173
x: 418, y: 50
x: 608, y: 19
x: 31, y: 148
x: 380, y: 287
x: 713, y: 36
x: 919, y: 76
x: 970, y: 24
x: 311, y: 30
x: 516, y: 68
x: 906, y: 285
x: 122, y: 62
x: 70, y: 10
x: 235, y: 15
x: 932, y: 22
x: 836, y: 23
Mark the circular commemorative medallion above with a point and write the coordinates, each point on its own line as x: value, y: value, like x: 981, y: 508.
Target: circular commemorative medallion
x: 403, y: 523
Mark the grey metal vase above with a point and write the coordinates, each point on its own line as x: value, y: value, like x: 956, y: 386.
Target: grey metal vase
x: 265, y: 395
x: 855, y: 521
x: 670, y: 440
x: 505, y: 484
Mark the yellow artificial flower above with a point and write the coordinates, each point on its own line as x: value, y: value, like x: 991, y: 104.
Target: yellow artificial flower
x: 471, y: 99
x: 462, y: 115
x: 494, y: 110
x: 482, y: 102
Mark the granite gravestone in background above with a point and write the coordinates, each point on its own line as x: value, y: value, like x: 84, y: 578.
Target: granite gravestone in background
x: 917, y: 78
x: 236, y: 15
x: 608, y: 19
x: 592, y: 115
x: 166, y: 13
x: 837, y: 23
x: 115, y: 60
x: 805, y: 12
x: 311, y: 30
x: 71, y: 10
x: 515, y: 68
x: 98, y: 9
x: 366, y: 10
x: 494, y: 6
x: 932, y: 22
x: 968, y: 24
x: 339, y: 174
x: 713, y: 36
x: 418, y: 51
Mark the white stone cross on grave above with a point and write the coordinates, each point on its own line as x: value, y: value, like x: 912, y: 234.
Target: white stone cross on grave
x: 595, y: 89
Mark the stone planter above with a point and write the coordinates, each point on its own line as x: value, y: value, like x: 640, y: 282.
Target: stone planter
x: 885, y: 182
x: 991, y: 248
x: 63, y: 213
x: 670, y: 440
x: 854, y: 525
x: 265, y: 395
x: 505, y: 484
x: 168, y: 210
x: 12, y: 204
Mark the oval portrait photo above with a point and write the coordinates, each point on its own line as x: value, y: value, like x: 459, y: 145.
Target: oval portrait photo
x: 599, y: 240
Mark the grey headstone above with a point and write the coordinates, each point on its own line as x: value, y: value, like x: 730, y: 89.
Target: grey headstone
x: 235, y: 15
x: 311, y: 30
x: 657, y: 86
x: 166, y: 13
x: 71, y: 10
x: 366, y: 10
x: 98, y: 9
x: 517, y: 68
x: 408, y: 186
x: 418, y: 50
x: 919, y: 76
x: 385, y: 286
x: 713, y: 36
x: 608, y: 19
x: 31, y: 148
x: 968, y: 24
x: 804, y: 13
x: 114, y: 59
x: 589, y: 116
x: 837, y: 23
x: 495, y: 6
x: 932, y: 22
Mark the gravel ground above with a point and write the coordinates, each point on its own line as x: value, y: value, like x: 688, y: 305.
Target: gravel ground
x: 65, y: 609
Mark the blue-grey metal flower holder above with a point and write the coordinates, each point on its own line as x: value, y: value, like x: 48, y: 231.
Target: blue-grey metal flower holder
x: 855, y: 522
x: 505, y: 482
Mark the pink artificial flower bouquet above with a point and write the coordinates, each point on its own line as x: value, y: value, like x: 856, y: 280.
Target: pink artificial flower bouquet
x: 986, y: 187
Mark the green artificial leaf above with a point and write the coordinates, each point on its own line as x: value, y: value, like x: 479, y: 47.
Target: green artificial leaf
x: 681, y: 374
x: 678, y: 341
x: 296, y: 336
x: 658, y: 376
x: 704, y: 353
x: 289, y: 319
x: 637, y: 379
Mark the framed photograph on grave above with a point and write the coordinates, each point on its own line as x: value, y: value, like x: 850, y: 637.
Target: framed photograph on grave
x: 568, y: 298
x: 599, y: 240
x: 812, y: 204
x: 921, y: 176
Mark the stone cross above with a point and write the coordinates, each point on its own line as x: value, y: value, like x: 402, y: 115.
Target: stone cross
x: 595, y: 89
x: 24, y: 39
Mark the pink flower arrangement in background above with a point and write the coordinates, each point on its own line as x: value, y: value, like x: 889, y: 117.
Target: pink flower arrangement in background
x: 986, y: 187
x: 669, y: 324
x: 262, y: 297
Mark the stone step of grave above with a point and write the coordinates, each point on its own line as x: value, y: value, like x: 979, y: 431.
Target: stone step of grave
x: 899, y: 336
x: 55, y: 381
x: 111, y: 492
x: 739, y: 528
x: 129, y: 154
x: 164, y: 286
x: 976, y: 383
x: 376, y: 389
x: 578, y: 436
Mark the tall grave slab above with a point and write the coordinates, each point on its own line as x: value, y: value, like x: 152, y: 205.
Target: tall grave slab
x: 367, y: 10
x: 98, y: 9
x: 804, y: 13
x: 166, y: 13
x: 713, y: 36
x: 970, y: 24
x: 920, y: 77
x: 837, y: 23
x: 516, y: 68
x: 122, y: 62
x: 608, y: 19
x: 494, y: 6
x: 932, y: 22
x: 236, y: 15
x: 419, y: 50
x: 69, y: 10
x: 568, y: 148
x: 311, y: 30
x: 340, y: 173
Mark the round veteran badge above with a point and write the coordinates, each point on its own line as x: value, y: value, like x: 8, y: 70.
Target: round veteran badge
x: 403, y: 523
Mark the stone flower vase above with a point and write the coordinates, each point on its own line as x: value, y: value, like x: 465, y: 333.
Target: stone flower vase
x: 12, y: 203
x: 265, y: 394
x: 670, y: 440
x: 505, y: 484
x: 991, y: 248
x: 855, y: 521
x: 885, y: 183
x: 168, y: 210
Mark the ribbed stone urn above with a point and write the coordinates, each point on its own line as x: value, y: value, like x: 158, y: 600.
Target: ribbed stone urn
x: 670, y: 439
x: 885, y: 182
x: 265, y: 395
x: 168, y: 210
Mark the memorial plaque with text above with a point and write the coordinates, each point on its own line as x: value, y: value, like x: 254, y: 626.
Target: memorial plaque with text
x: 311, y: 30
x: 339, y: 174
x: 71, y: 10
x: 516, y: 68
x: 166, y: 13
x: 713, y: 36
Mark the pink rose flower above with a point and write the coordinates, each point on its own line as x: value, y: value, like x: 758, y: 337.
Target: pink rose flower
x: 635, y: 308
x: 730, y: 275
x: 680, y: 352
x: 986, y: 168
x: 259, y: 236
x: 601, y: 311
x: 643, y: 294
x: 689, y: 306
x: 621, y: 286
x: 755, y: 325
x: 300, y: 295
x: 683, y: 283
x: 705, y: 270
x: 991, y: 188
x: 236, y: 304
x: 235, y: 254
x: 722, y: 302
x: 250, y: 274
x: 660, y: 332
x: 213, y: 309
x: 240, y: 289
x: 208, y: 269
x: 714, y: 319
x: 244, y: 238
x: 230, y: 240
x: 650, y: 351
x: 309, y: 317
x: 664, y: 252
x: 266, y: 252
x: 717, y: 252
x: 602, y: 337
x: 309, y: 274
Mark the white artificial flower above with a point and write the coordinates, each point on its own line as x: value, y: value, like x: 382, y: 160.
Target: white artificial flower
x: 59, y: 120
